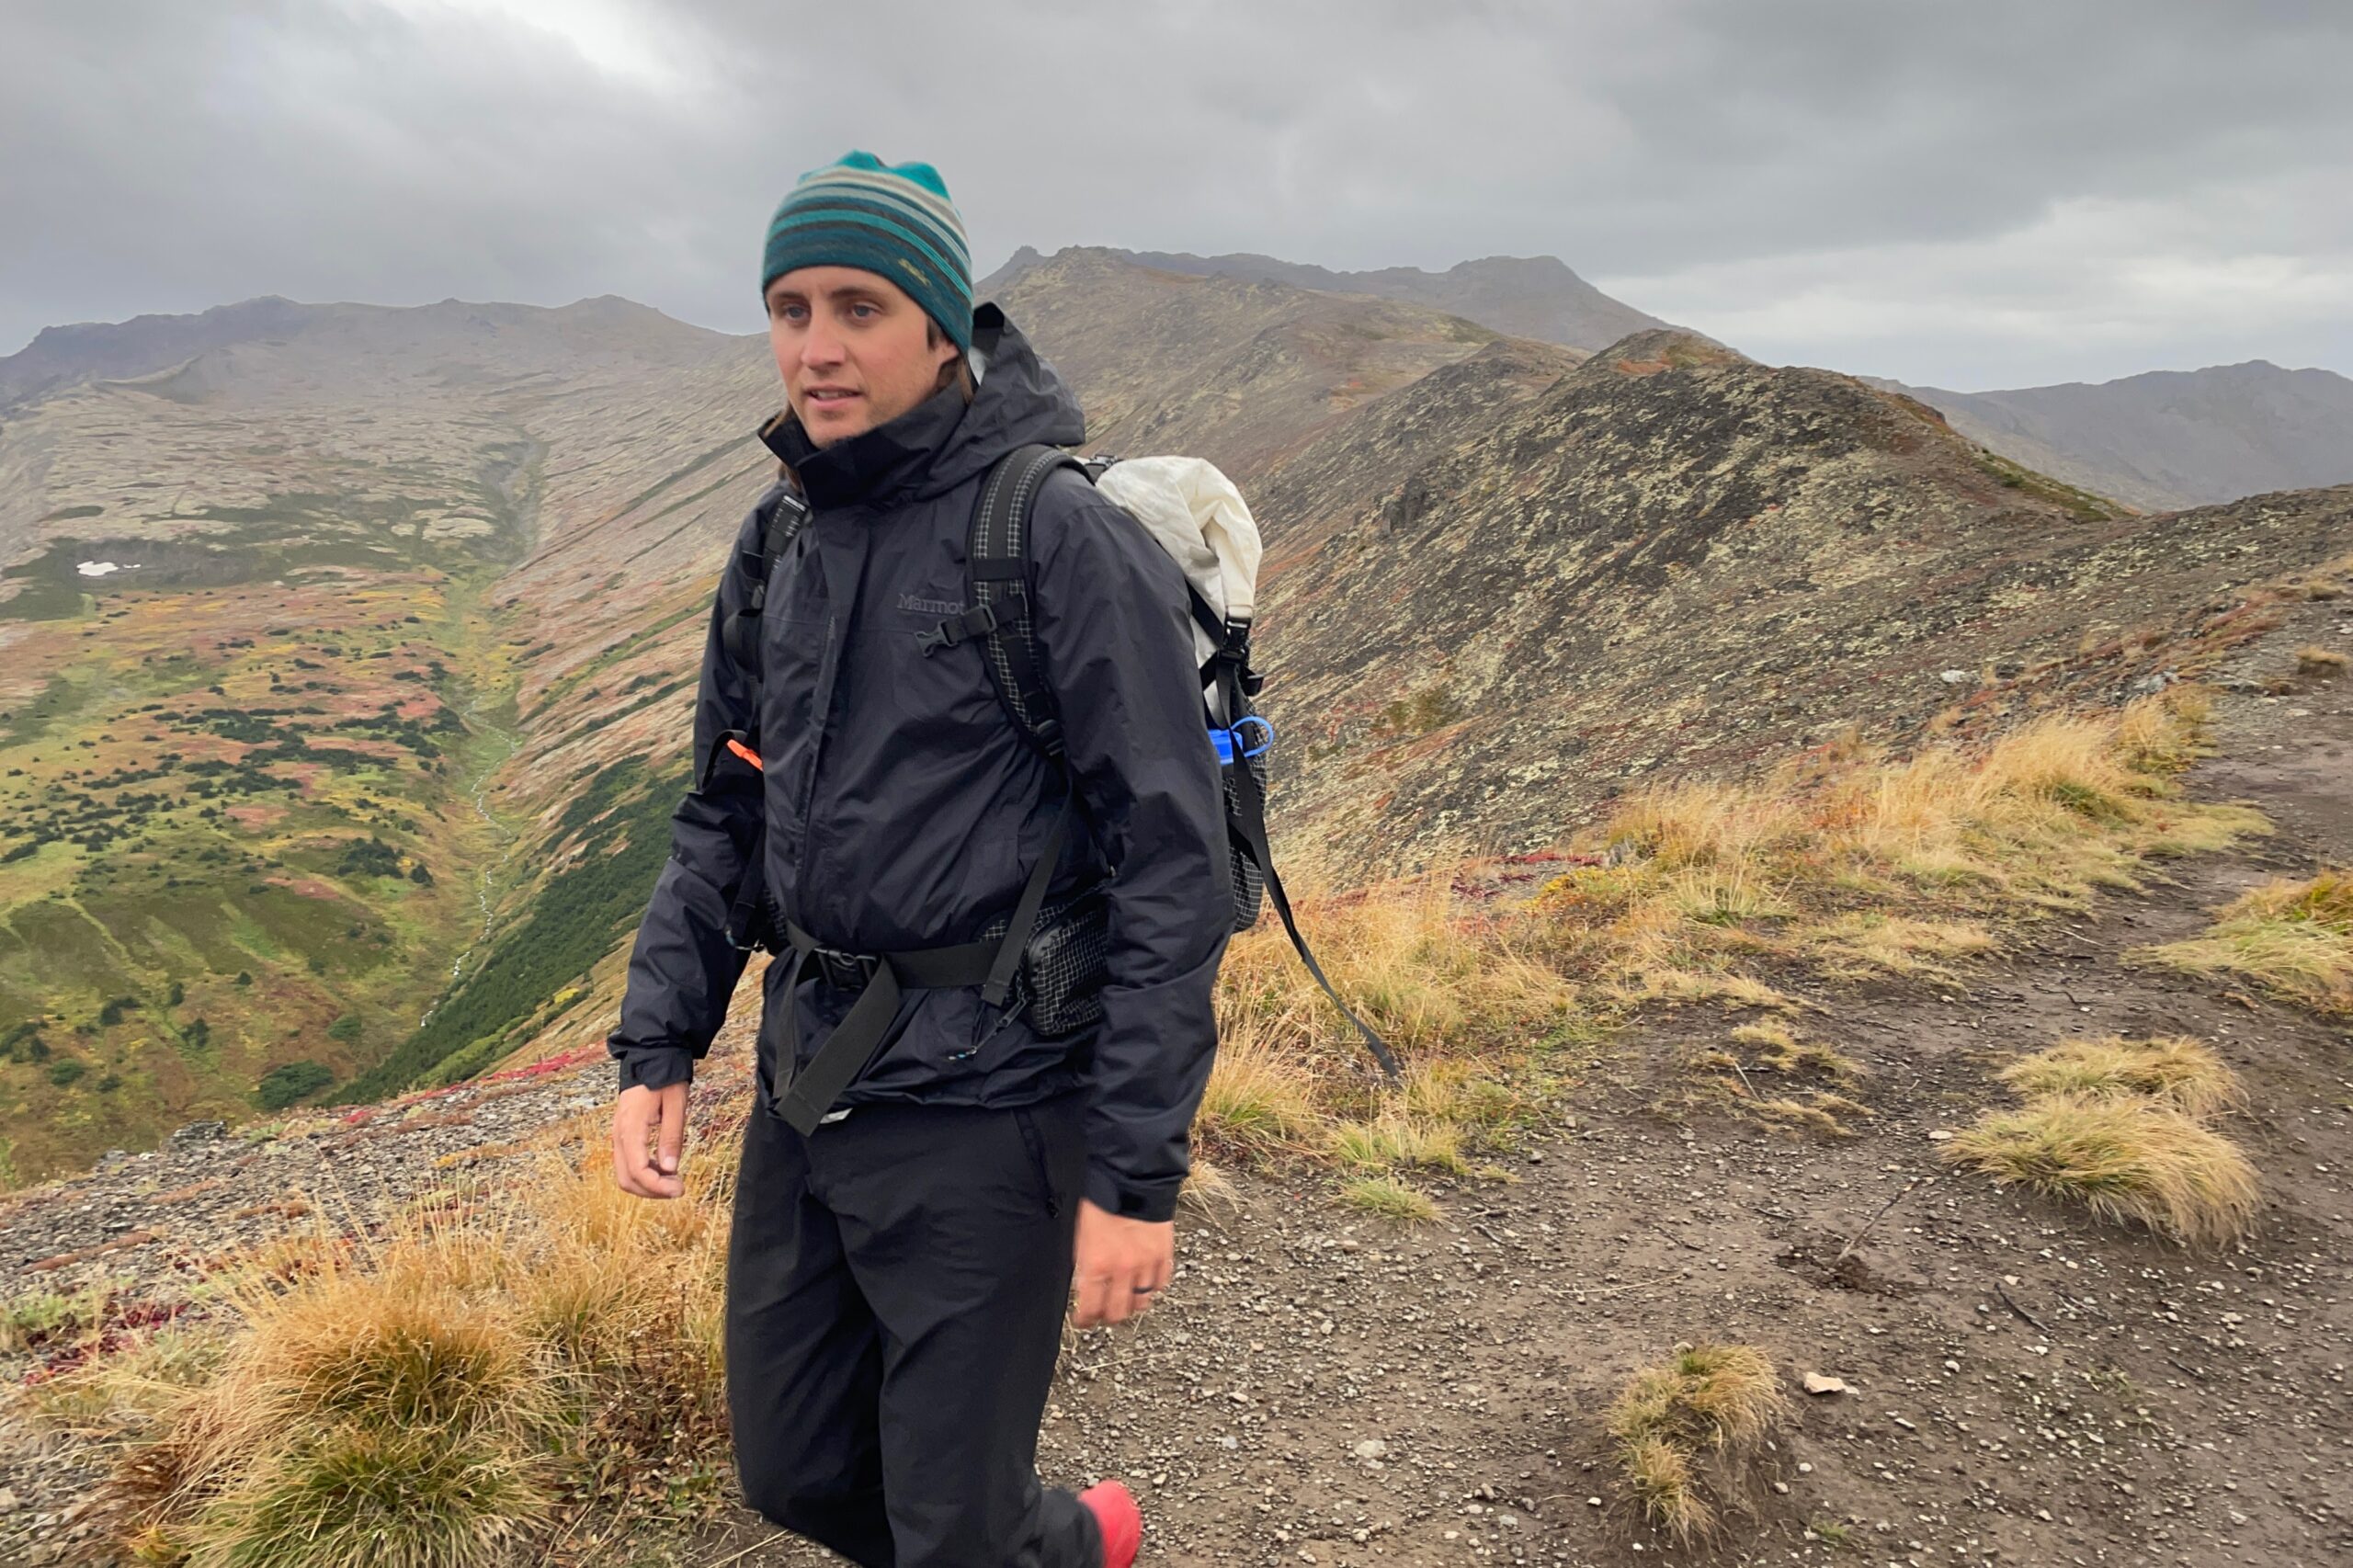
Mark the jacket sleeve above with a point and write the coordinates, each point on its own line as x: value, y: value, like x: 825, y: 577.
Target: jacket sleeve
x: 1116, y: 635
x: 683, y: 970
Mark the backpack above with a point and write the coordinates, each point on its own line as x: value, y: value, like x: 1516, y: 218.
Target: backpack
x: 1052, y: 952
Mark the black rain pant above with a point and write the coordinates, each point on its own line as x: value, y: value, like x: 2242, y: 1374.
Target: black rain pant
x: 896, y: 1286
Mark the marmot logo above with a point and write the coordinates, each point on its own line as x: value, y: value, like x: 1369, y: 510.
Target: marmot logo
x: 930, y: 606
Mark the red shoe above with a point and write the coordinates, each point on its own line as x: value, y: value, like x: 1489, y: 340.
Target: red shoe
x: 1115, y: 1514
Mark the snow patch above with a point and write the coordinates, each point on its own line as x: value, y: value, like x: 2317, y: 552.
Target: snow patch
x: 101, y: 568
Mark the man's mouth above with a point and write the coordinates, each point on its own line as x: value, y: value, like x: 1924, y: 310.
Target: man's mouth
x: 829, y: 397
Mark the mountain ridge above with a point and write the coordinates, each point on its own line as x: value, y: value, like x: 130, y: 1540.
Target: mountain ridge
x: 2163, y: 439
x: 1538, y: 297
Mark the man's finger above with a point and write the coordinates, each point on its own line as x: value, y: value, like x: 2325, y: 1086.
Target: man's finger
x: 1093, y: 1293
x: 671, y: 1105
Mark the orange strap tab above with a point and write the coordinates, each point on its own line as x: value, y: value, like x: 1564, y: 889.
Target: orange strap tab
x: 746, y: 753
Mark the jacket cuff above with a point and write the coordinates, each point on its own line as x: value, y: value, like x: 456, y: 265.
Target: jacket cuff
x: 653, y: 1067
x: 1152, y: 1201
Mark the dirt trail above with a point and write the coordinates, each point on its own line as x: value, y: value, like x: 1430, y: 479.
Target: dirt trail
x: 2026, y: 1387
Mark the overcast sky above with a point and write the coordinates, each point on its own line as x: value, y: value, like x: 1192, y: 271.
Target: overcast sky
x: 1997, y: 193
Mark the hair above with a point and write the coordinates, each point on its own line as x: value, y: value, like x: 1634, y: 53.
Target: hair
x: 956, y: 372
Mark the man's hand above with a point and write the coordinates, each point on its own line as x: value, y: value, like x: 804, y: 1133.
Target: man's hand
x: 641, y: 1111
x: 1121, y: 1264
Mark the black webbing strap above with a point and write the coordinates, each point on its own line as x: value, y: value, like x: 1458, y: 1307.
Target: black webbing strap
x: 1249, y: 821
x: 882, y: 977
x: 997, y: 563
x: 784, y: 513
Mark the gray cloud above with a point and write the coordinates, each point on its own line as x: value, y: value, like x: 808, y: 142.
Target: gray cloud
x: 2006, y: 192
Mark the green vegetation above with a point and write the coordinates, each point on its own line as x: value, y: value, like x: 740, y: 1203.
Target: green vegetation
x: 572, y: 922
x: 227, y: 779
x: 292, y: 1081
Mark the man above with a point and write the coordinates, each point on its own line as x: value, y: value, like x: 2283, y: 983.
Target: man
x: 898, y: 1272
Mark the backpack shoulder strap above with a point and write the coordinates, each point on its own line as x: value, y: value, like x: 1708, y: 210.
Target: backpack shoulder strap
x: 996, y: 575
x: 781, y: 513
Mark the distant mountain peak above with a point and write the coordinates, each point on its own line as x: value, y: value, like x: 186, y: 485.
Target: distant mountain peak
x: 1526, y: 295
x: 2164, y: 439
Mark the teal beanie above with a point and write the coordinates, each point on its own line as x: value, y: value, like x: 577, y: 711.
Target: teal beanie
x: 893, y: 219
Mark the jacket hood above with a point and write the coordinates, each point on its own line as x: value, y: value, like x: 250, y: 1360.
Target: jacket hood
x: 942, y: 441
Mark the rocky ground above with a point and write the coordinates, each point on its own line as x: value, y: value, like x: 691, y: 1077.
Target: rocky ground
x: 2023, y: 1386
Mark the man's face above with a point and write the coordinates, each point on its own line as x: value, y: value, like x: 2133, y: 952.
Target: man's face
x: 853, y: 349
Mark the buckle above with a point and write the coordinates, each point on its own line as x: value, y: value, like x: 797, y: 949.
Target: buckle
x: 845, y: 971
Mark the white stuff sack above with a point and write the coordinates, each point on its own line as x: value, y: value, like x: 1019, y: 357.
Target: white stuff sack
x: 1202, y: 522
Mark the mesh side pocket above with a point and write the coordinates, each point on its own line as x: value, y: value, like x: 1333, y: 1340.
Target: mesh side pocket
x: 1249, y: 882
x: 1064, y: 964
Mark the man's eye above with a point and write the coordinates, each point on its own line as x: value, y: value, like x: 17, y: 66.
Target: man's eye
x: 865, y: 311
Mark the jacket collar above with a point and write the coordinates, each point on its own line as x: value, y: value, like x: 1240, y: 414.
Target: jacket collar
x: 873, y: 465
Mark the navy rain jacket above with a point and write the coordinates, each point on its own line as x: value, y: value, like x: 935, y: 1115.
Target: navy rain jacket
x: 903, y: 809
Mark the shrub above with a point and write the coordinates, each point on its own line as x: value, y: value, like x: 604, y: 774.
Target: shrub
x: 290, y: 1081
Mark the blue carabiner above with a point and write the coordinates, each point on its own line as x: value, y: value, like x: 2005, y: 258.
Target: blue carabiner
x: 1232, y: 742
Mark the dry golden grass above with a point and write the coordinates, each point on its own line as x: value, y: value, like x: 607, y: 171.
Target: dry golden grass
x: 1788, y: 1055
x: 1846, y: 862
x: 1818, y: 1112
x: 1433, y: 977
x: 2124, y: 1158
x: 1261, y: 1097
x: 1856, y: 864
x: 2313, y: 659
x: 443, y: 1396
x: 2171, y: 1070
x: 1398, y: 1140
x: 2290, y: 938
x: 1710, y: 1402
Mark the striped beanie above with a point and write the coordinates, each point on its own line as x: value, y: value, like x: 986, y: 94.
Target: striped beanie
x: 891, y: 219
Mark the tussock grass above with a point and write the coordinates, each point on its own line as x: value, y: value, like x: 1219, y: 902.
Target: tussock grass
x: 1261, y: 1097
x: 1432, y: 976
x: 1853, y: 863
x: 1399, y: 1139
x: 1709, y: 1403
x: 2293, y: 938
x: 2313, y: 659
x: 447, y: 1395
x: 1391, y: 1199
x: 2171, y: 1070
x: 1846, y: 862
x: 2124, y: 1157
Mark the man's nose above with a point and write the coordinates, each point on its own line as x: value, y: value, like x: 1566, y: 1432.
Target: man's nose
x: 822, y: 347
